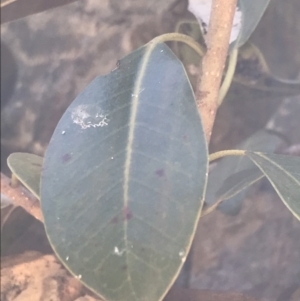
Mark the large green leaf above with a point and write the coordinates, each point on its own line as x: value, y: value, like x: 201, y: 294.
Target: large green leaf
x: 232, y: 175
x: 284, y: 174
x: 124, y: 177
x: 27, y: 168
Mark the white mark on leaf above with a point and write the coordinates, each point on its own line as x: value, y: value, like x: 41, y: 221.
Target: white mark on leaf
x: 136, y: 95
x: 63, y: 132
x: 67, y: 258
x: 87, y: 116
x: 78, y: 276
x: 119, y: 252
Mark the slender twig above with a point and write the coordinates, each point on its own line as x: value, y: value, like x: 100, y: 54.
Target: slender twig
x: 210, y: 71
x: 212, y: 65
x: 21, y: 197
x: 211, y: 208
x: 180, y: 37
x: 225, y: 153
x: 228, y: 76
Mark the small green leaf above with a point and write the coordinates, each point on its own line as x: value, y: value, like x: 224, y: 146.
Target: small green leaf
x: 252, y: 71
x: 27, y: 168
x: 284, y: 174
x: 252, y: 11
x: 124, y: 177
x: 231, y: 175
x: 236, y: 183
x: 13, y: 10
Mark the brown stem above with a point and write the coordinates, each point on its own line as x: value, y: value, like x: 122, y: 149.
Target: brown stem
x: 21, y: 197
x: 210, y: 72
x: 213, y: 62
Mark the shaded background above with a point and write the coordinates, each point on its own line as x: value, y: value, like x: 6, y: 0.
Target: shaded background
x: 48, y: 58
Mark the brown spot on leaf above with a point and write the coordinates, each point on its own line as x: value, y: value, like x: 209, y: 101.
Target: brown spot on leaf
x: 127, y: 214
x: 114, y: 220
x: 124, y: 267
x: 66, y: 158
x: 185, y: 138
x: 160, y: 172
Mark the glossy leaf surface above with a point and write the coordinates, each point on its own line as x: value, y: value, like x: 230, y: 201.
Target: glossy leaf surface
x: 284, y: 174
x: 27, y: 168
x: 124, y: 178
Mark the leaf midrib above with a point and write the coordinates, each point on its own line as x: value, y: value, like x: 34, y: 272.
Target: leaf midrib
x: 129, y: 149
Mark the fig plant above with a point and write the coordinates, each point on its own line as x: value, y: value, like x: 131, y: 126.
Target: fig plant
x: 124, y: 178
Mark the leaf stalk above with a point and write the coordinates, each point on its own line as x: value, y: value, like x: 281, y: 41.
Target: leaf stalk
x: 224, y: 153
